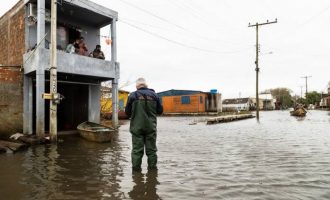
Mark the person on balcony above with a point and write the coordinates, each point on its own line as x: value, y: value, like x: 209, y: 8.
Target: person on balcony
x: 83, y: 47
x: 97, y: 53
x: 73, y: 47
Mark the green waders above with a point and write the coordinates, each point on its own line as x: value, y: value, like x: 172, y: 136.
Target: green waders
x: 144, y: 132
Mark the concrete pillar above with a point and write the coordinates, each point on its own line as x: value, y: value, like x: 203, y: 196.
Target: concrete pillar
x: 114, y: 81
x: 28, y: 105
x: 115, y: 103
x: 94, y: 107
x: 40, y: 74
x: 41, y: 23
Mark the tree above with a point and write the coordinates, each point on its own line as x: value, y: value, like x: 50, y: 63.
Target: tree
x: 313, y: 97
x: 283, y: 97
x: 302, y: 101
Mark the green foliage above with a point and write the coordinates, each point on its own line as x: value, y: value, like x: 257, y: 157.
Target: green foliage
x: 302, y: 101
x: 283, y: 97
x: 313, y: 97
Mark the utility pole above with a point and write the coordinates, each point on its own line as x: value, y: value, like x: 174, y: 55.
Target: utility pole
x: 301, y: 89
x: 53, y: 75
x: 257, y: 60
x: 306, y: 79
x: 53, y: 96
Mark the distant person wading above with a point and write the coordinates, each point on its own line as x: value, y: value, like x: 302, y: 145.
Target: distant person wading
x: 142, y: 107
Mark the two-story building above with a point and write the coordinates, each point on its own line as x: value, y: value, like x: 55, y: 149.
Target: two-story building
x: 25, y: 65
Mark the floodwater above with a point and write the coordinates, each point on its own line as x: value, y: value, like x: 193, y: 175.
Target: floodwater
x: 281, y: 157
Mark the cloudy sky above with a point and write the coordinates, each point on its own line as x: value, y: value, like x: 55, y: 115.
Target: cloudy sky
x: 206, y: 44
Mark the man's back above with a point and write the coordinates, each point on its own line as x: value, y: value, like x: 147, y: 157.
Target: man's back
x: 143, y: 106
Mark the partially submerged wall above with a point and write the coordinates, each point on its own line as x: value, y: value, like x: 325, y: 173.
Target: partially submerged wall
x: 12, y: 43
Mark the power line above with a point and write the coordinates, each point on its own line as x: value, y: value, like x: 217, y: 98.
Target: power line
x: 182, y: 7
x: 168, y: 21
x: 152, y: 14
x: 314, y: 16
x: 170, y: 40
x: 179, y: 43
x: 294, y: 31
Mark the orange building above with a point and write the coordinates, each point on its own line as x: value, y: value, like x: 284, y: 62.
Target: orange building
x: 190, y: 101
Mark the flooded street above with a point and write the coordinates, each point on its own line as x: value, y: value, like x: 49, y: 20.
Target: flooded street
x: 281, y: 157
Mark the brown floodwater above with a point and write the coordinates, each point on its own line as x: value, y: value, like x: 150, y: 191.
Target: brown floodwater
x: 281, y: 157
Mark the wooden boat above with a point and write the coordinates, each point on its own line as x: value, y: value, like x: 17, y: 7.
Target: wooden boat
x: 95, y: 132
x: 299, y: 111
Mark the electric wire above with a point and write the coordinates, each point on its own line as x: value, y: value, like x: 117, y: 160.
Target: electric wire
x: 173, y: 41
x: 180, y: 43
x: 152, y: 14
x: 168, y: 21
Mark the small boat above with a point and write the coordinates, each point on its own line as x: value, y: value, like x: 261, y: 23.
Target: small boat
x: 95, y: 132
x: 299, y: 111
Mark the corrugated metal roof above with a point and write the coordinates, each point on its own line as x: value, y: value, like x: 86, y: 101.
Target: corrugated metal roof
x: 177, y: 92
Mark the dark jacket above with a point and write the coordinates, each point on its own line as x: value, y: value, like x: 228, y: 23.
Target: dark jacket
x: 142, y: 107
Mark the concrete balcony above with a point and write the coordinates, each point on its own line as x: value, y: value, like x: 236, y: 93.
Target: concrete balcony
x: 71, y: 64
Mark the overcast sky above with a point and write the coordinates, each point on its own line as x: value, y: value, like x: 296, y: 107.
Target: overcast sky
x: 206, y: 44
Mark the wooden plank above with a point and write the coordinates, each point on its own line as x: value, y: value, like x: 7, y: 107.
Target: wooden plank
x: 228, y: 118
x: 13, y: 146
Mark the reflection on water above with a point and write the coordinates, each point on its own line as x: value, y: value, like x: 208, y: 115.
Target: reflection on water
x: 145, y: 185
x: 281, y: 157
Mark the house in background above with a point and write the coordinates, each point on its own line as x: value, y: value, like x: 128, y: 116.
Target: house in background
x: 325, y: 100
x: 238, y: 104
x: 25, y: 58
x: 190, y: 101
x: 268, y: 101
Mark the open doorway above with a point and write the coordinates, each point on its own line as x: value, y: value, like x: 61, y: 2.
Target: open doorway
x: 72, y: 111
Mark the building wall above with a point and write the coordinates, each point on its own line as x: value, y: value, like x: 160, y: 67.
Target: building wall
x: 12, y: 34
x: 235, y: 107
x: 325, y: 102
x: 261, y: 103
x: 106, y: 102
x: 12, y: 43
x: 213, y: 102
x: 173, y: 104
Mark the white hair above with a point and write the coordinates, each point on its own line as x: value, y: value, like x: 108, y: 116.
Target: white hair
x: 140, y: 83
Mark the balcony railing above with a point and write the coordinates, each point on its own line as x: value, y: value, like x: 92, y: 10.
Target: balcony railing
x: 71, y: 64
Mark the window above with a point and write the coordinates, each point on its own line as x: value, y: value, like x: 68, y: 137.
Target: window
x: 200, y: 99
x: 185, y: 100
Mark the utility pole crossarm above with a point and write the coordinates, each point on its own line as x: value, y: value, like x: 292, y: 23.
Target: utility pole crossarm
x: 261, y: 24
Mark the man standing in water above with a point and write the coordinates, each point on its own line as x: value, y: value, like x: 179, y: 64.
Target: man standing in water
x: 142, y: 107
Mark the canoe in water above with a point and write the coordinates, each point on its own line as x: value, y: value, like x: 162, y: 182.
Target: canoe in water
x: 95, y: 132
